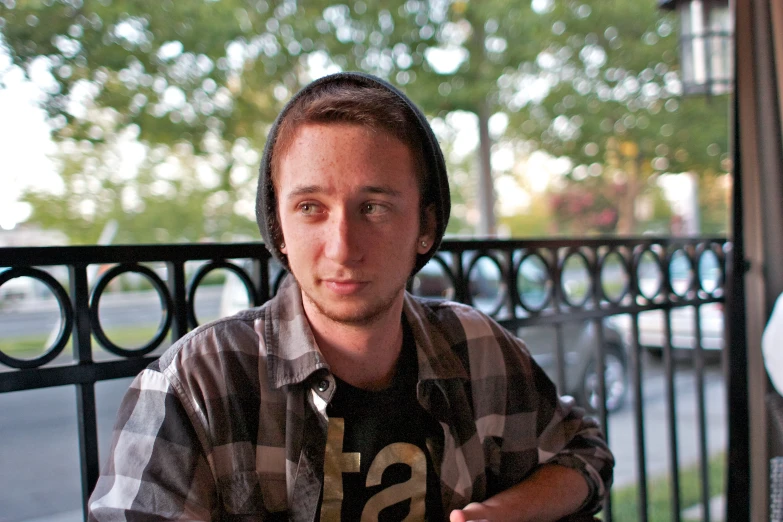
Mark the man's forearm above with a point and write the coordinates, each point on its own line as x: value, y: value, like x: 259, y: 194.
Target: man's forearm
x: 550, y: 493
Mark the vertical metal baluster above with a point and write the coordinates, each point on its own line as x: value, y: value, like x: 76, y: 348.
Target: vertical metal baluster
x: 260, y: 278
x: 461, y: 292
x: 176, y: 283
x: 601, y: 368
x: 636, y: 375
x: 595, y: 285
x: 85, y: 392
x: 702, y: 416
x: 560, y: 359
x: 668, y: 359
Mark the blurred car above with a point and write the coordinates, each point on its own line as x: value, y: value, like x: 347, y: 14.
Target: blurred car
x: 652, y: 332
x: 682, y: 277
x: 580, y: 338
x: 580, y: 361
x: 17, y: 289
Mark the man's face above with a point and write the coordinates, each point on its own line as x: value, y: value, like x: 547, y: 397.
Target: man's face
x: 348, y: 202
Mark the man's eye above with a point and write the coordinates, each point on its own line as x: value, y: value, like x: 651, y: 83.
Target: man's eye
x: 373, y: 208
x: 307, y: 208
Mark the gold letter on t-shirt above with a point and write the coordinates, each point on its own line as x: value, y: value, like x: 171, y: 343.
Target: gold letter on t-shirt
x: 414, y: 488
x: 335, y: 464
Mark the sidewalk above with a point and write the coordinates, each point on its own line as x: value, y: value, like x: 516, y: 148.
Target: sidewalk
x: 66, y: 516
x: 717, y: 510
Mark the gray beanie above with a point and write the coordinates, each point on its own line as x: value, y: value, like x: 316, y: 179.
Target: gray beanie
x: 437, y: 191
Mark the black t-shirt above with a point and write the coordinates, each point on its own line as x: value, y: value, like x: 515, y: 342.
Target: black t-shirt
x: 377, y: 466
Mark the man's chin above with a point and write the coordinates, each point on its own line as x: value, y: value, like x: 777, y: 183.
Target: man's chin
x: 351, y: 312
x: 356, y: 315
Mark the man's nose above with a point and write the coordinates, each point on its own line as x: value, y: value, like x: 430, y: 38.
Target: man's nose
x: 343, y: 244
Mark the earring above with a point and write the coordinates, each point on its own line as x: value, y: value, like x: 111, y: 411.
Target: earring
x: 282, y: 246
x: 423, y: 243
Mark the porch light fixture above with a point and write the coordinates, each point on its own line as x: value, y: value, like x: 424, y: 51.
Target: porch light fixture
x: 706, y: 49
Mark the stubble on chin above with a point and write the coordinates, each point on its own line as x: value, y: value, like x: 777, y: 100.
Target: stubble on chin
x: 362, y: 315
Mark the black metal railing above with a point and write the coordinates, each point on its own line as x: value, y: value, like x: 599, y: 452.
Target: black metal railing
x: 559, y: 285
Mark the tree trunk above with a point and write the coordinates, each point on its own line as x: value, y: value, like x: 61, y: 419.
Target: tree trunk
x: 626, y: 207
x: 486, y: 187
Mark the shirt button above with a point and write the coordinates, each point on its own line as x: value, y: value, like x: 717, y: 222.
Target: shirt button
x: 323, y: 385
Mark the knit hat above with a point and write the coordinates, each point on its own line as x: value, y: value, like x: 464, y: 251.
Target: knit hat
x: 437, y: 191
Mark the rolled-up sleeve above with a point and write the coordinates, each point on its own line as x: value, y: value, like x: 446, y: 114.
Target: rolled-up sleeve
x: 568, y: 438
x: 564, y: 435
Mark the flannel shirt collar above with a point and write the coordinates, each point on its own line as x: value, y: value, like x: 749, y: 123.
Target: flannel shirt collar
x: 437, y: 360
x: 293, y: 355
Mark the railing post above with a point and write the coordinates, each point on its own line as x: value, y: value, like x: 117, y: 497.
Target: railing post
x: 600, y: 362
x: 177, y: 287
x: 636, y: 377
x: 85, y: 392
x: 671, y: 402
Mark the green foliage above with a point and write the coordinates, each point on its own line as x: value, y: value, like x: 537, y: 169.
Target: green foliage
x: 714, y: 204
x: 611, y: 100
x: 625, y: 500
x: 611, y: 70
x: 202, y: 81
x: 537, y: 221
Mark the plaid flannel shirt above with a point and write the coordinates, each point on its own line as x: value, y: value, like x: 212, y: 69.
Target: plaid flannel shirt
x: 230, y: 423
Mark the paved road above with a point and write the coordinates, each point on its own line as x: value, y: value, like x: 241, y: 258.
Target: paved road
x: 116, y: 310
x: 622, y: 426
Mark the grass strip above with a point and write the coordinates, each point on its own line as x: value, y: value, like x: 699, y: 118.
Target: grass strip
x: 625, y: 499
x: 31, y: 346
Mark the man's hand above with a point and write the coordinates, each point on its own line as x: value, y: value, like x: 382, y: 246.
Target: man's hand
x: 473, y: 511
x: 549, y: 494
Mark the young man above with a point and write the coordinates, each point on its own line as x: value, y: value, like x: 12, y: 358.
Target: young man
x: 344, y: 397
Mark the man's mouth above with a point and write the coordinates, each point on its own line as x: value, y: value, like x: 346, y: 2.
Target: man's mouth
x: 345, y: 286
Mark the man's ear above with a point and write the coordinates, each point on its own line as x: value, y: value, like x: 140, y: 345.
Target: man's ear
x: 427, y: 230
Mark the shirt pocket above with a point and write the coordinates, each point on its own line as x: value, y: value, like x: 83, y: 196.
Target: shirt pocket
x: 245, y: 493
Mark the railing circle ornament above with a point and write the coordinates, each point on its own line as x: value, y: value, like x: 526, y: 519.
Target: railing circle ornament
x: 479, y: 284
x: 710, y: 275
x: 680, y: 273
x: 534, y: 282
x: 202, y: 272
x: 575, y: 280
x: 167, y: 306
x: 649, y: 276
x: 613, y: 261
x: 279, y: 278
x: 435, y: 279
x: 66, y: 317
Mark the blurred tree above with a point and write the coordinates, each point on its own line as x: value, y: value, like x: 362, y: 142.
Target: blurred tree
x: 714, y: 204
x: 605, y: 92
x: 593, y: 81
x: 147, y: 192
x: 535, y: 221
x: 590, y: 208
x: 212, y: 73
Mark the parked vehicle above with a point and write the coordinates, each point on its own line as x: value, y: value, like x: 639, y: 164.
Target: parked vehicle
x: 652, y: 332
x: 682, y: 277
x: 580, y: 361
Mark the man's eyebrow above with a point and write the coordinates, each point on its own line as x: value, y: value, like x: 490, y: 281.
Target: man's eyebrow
x: 381, y: 189
x: 306, y: 190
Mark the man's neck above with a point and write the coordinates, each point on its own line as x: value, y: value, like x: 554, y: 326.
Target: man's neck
x: 363, y: 355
